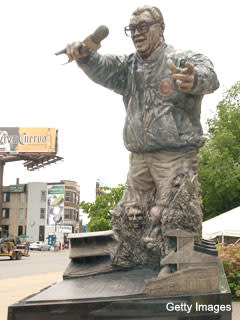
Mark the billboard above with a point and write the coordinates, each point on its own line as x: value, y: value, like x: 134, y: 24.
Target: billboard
x: 22, y: 140
x: 55, y: 204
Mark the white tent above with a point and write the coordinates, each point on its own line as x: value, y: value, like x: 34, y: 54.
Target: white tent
x: 226, y: 224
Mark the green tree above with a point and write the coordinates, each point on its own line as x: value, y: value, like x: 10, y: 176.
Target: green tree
x: 219, y: 159
x: 98, y: 210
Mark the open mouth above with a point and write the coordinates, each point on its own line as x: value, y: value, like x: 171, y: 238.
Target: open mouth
x: 138, y: 40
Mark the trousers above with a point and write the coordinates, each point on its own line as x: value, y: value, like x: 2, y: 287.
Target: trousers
x: 150, y: 174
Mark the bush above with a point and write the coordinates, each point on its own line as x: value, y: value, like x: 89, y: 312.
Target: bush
x: 230, y: 257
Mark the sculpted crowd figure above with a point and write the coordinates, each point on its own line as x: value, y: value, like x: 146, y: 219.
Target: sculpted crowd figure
x: 162, y: 90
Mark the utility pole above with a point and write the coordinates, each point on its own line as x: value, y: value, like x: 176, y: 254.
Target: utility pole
x: 1, y: 190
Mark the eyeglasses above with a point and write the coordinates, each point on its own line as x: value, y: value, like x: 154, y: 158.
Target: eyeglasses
x: 141, y: 27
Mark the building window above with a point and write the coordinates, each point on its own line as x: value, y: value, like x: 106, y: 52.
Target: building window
x: 41, y: 233
x: 42, y: 213
x: 68, y: 196
x: 6, y: 196
x: 67, y: 213
x: 4, y: 230
x: 21, y: 213
x: 5, y: 213
x: 22, y: 197
x: 43, y: 195
x: 20, y: 230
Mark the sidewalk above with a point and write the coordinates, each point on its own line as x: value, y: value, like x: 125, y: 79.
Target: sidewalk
x: 236, y: 311
x: 15, y: 289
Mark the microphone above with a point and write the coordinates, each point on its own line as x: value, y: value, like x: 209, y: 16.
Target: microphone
x: 93, y: 41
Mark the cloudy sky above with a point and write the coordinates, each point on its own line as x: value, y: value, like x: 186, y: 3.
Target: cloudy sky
x: 37, y: 91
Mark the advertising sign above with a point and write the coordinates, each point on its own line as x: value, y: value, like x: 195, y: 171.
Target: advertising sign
x: 17, y: 188
x: 55, y: 204
x: 21, y: 139
x: 65, y: 229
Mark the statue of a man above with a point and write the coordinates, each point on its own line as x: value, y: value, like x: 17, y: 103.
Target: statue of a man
x: 162, y: 90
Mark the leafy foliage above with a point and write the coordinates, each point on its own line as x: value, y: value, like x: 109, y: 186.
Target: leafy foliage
x: 98, y: 210
x: 230, y: 257
x: 219, y: 159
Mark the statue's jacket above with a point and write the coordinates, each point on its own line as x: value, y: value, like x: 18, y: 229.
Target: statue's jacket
x: 158, y: 115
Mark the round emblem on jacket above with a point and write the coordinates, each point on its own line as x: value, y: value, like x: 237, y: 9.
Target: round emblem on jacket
x: 166, y: 87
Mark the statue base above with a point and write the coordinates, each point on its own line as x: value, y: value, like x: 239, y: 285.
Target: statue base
x: 121, y: 295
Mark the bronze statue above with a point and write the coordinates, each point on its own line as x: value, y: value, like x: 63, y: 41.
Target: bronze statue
x: 162, y: 90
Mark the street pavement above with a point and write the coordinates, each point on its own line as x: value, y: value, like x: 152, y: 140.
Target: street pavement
x: 38, y: 262
x: 19, y: 279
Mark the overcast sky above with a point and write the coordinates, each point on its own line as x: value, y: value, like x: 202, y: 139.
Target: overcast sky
x: 37, y: 91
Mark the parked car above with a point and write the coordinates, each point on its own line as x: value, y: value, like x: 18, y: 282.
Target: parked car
x: 39, y: 245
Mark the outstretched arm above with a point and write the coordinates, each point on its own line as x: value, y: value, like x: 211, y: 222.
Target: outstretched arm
x: 109, y: 71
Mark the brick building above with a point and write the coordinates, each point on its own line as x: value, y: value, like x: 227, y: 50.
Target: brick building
x: 14, y: 209
x: 25, y: 210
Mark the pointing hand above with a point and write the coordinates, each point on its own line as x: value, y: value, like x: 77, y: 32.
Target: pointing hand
x: 184, y: 76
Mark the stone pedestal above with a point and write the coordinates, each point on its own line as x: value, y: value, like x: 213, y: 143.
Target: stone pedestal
x: 121, y: 295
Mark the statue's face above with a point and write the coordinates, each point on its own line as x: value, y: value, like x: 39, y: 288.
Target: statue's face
x: 145, y: 42
x: 135, y: 217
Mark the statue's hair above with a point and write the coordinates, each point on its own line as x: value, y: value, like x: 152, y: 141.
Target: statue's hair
x: 154, y: 11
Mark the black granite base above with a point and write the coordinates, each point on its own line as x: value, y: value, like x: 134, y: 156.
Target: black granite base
x: 120, y: 295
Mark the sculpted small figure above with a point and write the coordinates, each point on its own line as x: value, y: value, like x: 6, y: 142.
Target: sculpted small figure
x: 129, y: 227
x: 162, y: 90
x: 135, y: 217
x: 153, y: 233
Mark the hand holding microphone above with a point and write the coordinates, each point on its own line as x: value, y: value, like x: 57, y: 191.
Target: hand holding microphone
x: 78, y: 49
